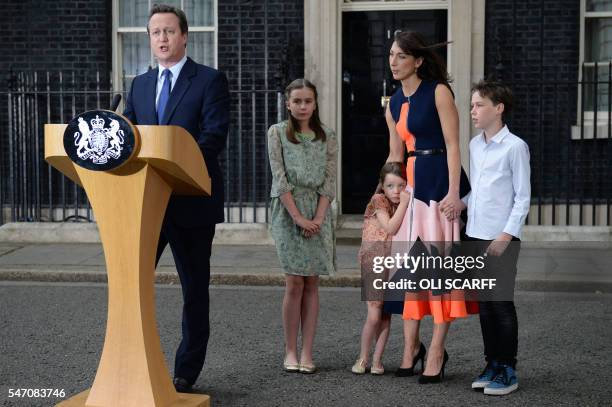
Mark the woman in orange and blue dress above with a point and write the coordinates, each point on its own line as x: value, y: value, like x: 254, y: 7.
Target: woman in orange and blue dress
x: 423, y: 119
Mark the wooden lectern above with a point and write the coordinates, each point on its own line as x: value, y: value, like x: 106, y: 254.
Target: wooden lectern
x: 129, y: 203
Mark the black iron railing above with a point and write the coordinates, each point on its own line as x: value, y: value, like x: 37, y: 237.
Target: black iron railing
x: 567, y: 125
x: 31, y: 190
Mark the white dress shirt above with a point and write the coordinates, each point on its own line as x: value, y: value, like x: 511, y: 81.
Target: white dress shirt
x: 501, y: 189
x: 175, y: 69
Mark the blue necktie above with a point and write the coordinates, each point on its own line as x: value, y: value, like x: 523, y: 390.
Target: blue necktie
x: 164, y: 95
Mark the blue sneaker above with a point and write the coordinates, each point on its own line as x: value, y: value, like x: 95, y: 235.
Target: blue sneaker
x: 486, y: 376
x: 505, y: 382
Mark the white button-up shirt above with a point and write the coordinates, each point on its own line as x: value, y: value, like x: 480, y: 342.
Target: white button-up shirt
x: 175, y: 69
x: 501, y: 189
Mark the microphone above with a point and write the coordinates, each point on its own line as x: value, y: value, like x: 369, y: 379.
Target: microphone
x: 115, y: 102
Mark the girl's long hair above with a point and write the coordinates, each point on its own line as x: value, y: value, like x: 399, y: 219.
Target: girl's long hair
x: 433, y: 66
x: 314, y: 123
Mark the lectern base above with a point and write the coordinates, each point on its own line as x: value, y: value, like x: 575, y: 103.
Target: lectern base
x: 185, y: 400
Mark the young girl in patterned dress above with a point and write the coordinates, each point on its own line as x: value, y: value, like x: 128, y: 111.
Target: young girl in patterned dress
x: 303, y: 160
x: 382, y: 219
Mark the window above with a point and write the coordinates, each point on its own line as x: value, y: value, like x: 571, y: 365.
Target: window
x: 597, y: 52
x: 372, y: 5
x: 595, y: 68
x: 131, y: 53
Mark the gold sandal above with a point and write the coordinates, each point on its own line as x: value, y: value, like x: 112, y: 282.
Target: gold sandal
x: 307, y: 369
x: 359, y: 367
x: 377, y: 371
x: 291, y: 367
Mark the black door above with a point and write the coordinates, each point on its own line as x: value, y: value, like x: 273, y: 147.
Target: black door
x: 366, y: 78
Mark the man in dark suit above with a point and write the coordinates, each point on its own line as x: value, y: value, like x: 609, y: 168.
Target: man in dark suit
x: 183, y: 93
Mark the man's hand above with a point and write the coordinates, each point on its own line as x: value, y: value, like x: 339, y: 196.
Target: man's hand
x: 498, y: 246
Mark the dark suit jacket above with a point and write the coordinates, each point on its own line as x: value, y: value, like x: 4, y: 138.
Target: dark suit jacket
x: 199, y: 103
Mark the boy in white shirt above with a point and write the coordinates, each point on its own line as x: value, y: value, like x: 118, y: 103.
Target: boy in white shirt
x: 497, y: 207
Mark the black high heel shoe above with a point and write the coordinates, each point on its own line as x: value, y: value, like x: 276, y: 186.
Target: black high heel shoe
x: 409, y: 371
x: 423, y: 379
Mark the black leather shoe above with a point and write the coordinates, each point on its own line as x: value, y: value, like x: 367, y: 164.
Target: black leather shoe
x: 409, y: 371
x: 423, y: 379
x: 182, y: 385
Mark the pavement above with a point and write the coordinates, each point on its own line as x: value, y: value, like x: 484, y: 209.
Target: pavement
x: 53, y: 303
x: 51, y: 337
x: 584, y: 268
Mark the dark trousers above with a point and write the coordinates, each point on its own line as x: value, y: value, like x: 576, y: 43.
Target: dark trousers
x: 498, y: 320
x: 191, y: 249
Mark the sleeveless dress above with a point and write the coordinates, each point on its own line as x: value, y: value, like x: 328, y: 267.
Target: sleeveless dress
x: 418, y: 124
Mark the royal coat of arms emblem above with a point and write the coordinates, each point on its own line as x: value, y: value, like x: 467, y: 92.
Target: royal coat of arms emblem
x: 100, y: 140
x: 98, y: 143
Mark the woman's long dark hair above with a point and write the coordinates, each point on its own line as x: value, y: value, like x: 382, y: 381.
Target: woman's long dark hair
x: 314, y: 123
x: 433, y: 66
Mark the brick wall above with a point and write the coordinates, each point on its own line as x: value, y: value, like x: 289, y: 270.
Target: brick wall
x: 533, y: 38
x: 76, y: 35
x: 534, y: 47
x: 242, y: 48
x: 54, y: 35
x: 285, y: 19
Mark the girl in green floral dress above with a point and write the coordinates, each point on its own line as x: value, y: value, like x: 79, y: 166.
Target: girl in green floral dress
x: 303, y: 160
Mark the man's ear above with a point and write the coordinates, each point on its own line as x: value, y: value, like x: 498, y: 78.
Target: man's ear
x: 186, y: 39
